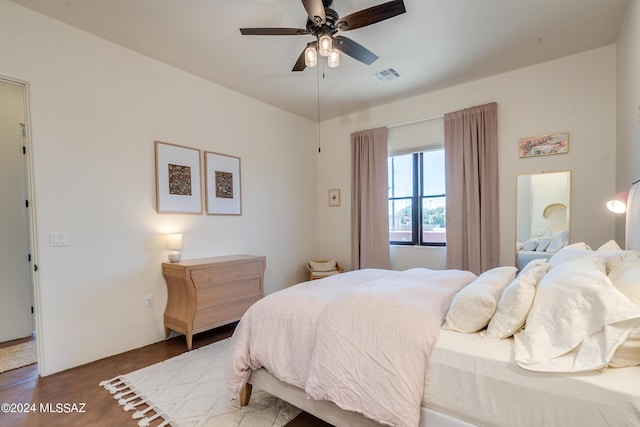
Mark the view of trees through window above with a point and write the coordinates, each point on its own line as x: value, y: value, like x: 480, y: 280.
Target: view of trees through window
x: 417, y: 200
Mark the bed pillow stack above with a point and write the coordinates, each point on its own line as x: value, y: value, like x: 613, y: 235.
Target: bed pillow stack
x: 516, y: 301
x: 547, y: 244
x: 577, y: 311
x: 472, y: 307
x: 577, y: 321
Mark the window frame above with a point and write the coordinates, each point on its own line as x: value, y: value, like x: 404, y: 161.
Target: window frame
x: 417, y: 197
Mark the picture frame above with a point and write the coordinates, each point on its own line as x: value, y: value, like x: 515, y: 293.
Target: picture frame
x: 223, y: 184
x: 334, y: 197
x: 178, y: 179
x: 544, y: 145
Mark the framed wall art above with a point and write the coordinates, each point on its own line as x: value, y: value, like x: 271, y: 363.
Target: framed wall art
x: 334, y: 197
x: 544, y: 145
x: 178, y: 182
x: 222, y: 184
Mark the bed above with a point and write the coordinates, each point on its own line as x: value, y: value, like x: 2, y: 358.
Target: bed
x: 350, y: 359
x: 542, y: 247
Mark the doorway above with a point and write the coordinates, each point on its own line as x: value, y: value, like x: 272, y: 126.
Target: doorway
x: 17, y: 256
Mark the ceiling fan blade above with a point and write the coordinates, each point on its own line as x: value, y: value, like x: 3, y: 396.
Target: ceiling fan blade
x: 300, y: 65
x: 273, y: 31
x: 355, y: 50
x: 371, y: 15
x: 315, y: 11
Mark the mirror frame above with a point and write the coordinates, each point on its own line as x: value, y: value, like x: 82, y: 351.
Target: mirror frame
x: 519, y: 203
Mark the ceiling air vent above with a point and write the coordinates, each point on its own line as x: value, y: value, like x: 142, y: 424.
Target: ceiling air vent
x: 387, y: 75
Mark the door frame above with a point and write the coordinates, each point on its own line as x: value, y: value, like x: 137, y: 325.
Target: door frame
x: 31, y: 219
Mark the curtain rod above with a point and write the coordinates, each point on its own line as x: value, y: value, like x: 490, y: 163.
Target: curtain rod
x: 413, y: 122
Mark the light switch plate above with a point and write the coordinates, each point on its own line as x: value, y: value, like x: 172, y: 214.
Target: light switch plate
x: 59, y: 238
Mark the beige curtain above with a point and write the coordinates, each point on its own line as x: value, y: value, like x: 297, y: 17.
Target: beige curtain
x: 471, y: 158
x: 369, y: 217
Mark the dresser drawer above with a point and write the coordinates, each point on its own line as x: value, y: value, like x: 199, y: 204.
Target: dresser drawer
x: 225, y: 273
x: 222, y: 314
x: 220, y: 294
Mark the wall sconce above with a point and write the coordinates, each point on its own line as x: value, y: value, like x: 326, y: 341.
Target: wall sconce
x: 174, y: 243
x: 619, y: 202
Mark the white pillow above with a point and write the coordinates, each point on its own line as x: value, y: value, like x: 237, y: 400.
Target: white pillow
x: 614, y: 255
x: 323, y: 266
x: 542, y: 244
x: 515, y: 303
x: 628, y: 354
x: 532, y: 264
x: 626, y: 278
x: 577, y: 321
x: 474, y: 305
x: 569, y: 253
x: 611, y: 245
x: 558, y: 241
x: 530, y: 245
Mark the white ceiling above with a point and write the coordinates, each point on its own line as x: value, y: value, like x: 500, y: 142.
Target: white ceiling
x: 436, y: 44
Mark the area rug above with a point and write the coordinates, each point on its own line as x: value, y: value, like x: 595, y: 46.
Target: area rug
x: 17, y: 356
x: 190, y: 391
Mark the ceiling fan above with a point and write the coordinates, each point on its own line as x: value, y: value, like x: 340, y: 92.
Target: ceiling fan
x: 324, y: 23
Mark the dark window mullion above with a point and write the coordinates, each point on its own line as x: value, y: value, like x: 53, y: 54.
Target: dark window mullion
x: 415, y: 210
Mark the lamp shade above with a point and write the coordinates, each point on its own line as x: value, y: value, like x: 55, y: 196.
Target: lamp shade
x: 334, y: 58
x: 619, y: 203
x: 174, y: 241
x: 325, y: 44
x: 310, y: 56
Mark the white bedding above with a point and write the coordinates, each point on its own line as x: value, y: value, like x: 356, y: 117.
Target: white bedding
x: 578, y: 319
x: 370, y: 350
x: 477, y: 380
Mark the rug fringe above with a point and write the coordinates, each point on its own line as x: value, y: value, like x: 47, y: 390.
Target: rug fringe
x: 119, y: 388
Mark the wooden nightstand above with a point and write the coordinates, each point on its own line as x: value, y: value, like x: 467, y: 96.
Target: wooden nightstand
x: 210, y: 292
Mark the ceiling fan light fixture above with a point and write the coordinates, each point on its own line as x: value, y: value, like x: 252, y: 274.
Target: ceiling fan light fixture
x: 325, y: 44
x: 333, y: 60
x: 324, y: 23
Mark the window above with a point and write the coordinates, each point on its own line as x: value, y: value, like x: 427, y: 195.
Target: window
x: 417, y: 200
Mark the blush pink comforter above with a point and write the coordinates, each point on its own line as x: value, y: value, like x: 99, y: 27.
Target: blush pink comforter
x: 360, y: 339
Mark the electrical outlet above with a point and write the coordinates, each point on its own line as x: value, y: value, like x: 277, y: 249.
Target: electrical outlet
x: 296, y: 273
x: 148, y: 301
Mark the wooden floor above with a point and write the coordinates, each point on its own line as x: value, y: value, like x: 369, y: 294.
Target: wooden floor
x: 23, y: 387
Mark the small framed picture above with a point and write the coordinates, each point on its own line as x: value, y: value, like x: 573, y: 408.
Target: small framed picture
x: 223, y: 184
x: 544, y: 145
x: 178, y: 188
x: 334, y: 197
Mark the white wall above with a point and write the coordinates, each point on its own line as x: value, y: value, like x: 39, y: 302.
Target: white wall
x: 574, y: 94
x: 628, y: 106
x: 96, y: 109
